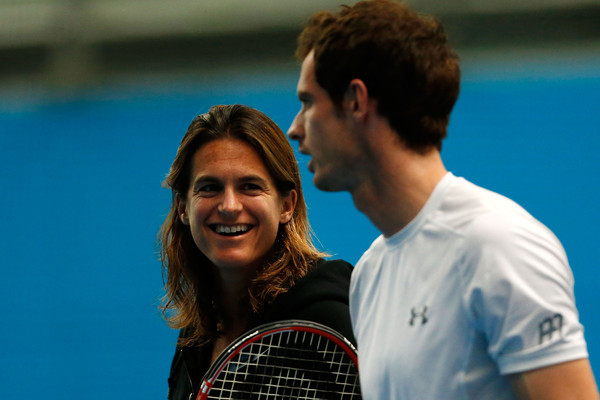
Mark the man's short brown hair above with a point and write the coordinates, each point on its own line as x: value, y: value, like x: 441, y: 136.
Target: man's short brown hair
x: 402, y: 57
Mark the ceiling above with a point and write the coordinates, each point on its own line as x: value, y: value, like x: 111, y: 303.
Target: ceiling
x: 74, y: 42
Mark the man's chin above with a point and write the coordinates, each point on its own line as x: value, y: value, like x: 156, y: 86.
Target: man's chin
x: 322, y: 183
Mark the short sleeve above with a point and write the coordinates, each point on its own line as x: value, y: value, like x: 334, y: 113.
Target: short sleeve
x: 520, y: 293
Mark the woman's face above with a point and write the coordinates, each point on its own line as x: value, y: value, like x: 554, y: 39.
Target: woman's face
x: 233, y: 208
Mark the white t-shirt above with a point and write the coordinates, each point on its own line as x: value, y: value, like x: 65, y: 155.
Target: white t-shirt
x: 473, y: 289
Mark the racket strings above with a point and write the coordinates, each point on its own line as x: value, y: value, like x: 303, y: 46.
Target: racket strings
x: 296, y: 364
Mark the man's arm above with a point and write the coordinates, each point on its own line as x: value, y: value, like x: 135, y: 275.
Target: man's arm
x: 571, y: 380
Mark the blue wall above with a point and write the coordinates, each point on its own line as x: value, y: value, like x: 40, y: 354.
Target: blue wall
x: 81, y: 203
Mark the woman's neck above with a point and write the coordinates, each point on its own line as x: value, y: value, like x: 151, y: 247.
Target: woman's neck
x: 233, y: 302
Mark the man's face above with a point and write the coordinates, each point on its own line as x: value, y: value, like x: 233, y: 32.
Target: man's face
x: 324, y: 133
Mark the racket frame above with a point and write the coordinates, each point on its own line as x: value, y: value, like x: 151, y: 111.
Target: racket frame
x: 265, y: 330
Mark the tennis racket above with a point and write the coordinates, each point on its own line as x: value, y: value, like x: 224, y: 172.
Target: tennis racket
x: 282, y: 360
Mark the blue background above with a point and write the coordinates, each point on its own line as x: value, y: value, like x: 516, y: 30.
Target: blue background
x: 81, y: 204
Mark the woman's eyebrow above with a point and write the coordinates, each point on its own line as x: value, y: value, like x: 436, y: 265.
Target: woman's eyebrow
x: 201, y: 179
x: 253, y: 178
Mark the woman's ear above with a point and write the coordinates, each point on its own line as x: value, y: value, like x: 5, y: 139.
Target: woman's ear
x: 182, y: 210
x: 288, y: 207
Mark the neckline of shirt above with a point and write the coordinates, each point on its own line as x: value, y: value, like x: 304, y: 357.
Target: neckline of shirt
x: 432, y: 204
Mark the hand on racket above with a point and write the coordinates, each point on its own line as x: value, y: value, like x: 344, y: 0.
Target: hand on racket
x: 283, y: 360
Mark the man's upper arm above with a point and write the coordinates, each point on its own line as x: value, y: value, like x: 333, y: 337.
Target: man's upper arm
x: 572, y: 380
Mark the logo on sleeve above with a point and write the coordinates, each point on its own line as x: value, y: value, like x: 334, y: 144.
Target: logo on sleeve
x: 549, y: 326
x: 418, y: 314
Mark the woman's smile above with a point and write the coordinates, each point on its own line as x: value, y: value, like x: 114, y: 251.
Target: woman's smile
x: 231, y: 230
x: 233, y: 207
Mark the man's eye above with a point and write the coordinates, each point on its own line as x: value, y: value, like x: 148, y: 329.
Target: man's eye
x: 304, y: 100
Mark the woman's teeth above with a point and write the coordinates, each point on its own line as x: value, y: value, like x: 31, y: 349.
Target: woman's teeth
x: 235, y: 229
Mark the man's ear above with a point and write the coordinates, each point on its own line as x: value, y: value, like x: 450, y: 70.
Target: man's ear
x: 356, y: 99
x: 182, y: 210
x: 289, y: 205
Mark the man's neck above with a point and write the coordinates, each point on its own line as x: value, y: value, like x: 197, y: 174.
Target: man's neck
x: 398, y: 187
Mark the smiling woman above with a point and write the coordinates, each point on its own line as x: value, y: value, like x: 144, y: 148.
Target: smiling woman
x: 233, y: 209
x: 236, y: 245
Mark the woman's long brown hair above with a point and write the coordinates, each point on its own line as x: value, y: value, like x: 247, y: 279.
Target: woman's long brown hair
x: 191, y: 280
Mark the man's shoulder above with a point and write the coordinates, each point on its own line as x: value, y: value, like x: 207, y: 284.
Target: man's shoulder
x: 470, y: 209
x: 376, y: 248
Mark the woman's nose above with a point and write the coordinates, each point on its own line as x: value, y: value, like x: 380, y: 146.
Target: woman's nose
x: 230, y: 203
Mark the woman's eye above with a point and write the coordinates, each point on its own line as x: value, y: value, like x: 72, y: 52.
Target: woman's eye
x: 251, y: 186
x: 207, y: 188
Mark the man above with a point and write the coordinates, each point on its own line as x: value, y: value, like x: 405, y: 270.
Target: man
x: 464, y: 295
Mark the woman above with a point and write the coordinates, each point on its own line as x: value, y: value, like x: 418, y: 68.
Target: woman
x: 236, y: 245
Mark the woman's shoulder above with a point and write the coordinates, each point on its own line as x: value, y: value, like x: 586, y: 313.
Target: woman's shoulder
x: 339, y: 269
x: 320, y: 296
x: 328, y: 278
x: 187, y: 368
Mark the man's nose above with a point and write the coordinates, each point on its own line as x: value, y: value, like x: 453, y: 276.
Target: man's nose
x: 296, y: 130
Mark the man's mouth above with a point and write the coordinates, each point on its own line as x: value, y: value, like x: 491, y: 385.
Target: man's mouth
x: 311, y: 166
x: 231, y: 230
x: 303, y: 150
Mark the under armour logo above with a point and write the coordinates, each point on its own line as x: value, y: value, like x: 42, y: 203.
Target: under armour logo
x: 549, y: 326
x: 414, y: 314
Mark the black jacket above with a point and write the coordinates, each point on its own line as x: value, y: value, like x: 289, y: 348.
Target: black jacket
x: 321, y: 296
